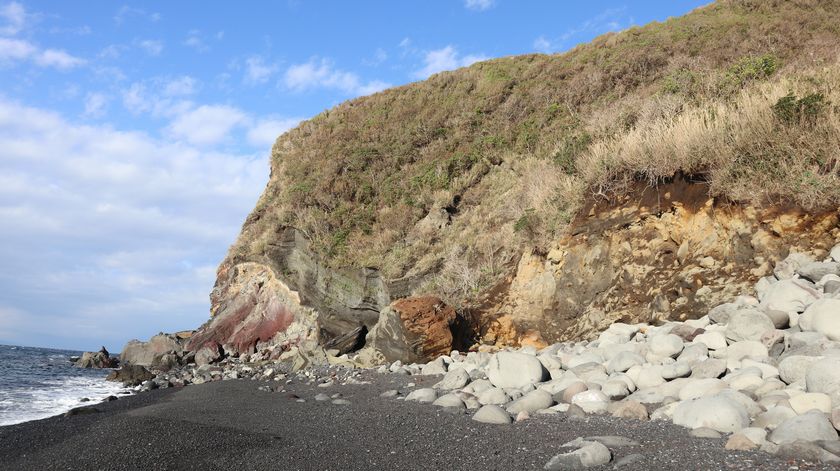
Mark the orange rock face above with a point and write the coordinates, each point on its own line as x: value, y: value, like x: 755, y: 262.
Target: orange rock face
x: 429, y: 319
x: 414, y: 330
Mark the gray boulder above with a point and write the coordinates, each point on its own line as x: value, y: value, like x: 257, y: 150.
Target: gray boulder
x: 492, y: 414
x: 590, y: 454
x: 531, y: 402
x: 822, y: 316
x: 717, y: 412
x: 748, y: 324
x: 515, y: 370
x: 808, y: 427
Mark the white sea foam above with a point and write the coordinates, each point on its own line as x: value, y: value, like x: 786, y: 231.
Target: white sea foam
x: 53, y: 397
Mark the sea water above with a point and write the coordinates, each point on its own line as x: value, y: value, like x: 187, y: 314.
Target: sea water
x: 36, y: 383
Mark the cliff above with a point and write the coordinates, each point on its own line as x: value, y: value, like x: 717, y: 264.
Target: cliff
x: 645, y: 176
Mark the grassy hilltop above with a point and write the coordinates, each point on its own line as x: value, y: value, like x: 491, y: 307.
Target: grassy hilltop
x: 455, y: 175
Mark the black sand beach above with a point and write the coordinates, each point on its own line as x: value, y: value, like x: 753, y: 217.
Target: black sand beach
x: 233, y: 425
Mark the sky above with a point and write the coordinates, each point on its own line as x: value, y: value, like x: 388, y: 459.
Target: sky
x: 134, y: 137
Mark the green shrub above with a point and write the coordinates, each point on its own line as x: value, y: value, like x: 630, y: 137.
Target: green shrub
x: 525, y: 222
x: 792, y: 110
x: 571, y: 146
x: 747, y: 70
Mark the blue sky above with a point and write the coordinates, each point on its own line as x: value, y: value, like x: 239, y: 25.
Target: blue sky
x: 134, y: 137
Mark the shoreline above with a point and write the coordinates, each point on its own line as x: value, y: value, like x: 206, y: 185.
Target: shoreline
x: 237, y: 424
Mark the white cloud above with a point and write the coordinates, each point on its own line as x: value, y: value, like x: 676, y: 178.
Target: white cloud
x: 379, y: 56
x: 542, y: 44
x: 184, y: 85
x: 14, y: 16
x: 95, y: 105
x: 195, y: 41
x: 16, y: 50
x: 266, y: 131
x: 125, y: 12
x: 207, y: 124
x: 58, y: 59
x: 257, y: 70
x: 479, y: 5
x: 446, y: 58
x: 321, y: 74
x: 153, y: 47
x: 112, y: 51
x: 117, y: 231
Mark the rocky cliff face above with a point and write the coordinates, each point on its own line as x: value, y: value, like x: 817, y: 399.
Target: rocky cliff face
x: 288, y: 296
x: 658, y: 253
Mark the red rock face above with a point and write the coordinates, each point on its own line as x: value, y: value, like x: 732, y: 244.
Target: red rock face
x: 251, y: 313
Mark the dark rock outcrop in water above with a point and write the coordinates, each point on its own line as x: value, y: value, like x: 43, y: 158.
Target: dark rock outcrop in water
x: 100, y: 359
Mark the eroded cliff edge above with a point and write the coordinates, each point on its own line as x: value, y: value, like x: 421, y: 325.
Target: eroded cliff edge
x: 641, y: 177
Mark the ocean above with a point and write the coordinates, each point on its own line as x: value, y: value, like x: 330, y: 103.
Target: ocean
x: 36, y: 383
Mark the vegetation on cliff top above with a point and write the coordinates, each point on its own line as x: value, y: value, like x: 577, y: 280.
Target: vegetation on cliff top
x: 450, y: 178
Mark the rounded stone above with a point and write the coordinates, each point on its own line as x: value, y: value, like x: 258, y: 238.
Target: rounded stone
x: 592, y: 402
x: 531, y: 402
x: 802, y: 403
x: 492, y: 414
x: 455, y: 378
x: 748, y: 324
x: 793, y: 368
x: 809, y: 427
x: 623, y: 361
x: 495, y: 396
x: 715, y: 412
x: 824, y: 377
x: 669, y: 345
x: 822, y: 316
x: 515, y: 370
x: 449, y: 400
x: 423, y: 395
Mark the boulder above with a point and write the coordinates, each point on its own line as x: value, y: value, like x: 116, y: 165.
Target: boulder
x: 802, y: 403
x: 717, y: 412
x: 149, y: 353
x: 815, y: 271
x: 824, y: 377
x: 669, y: 345
x: 422, y: 395
x: 592, y: 402
x: 515, y: 370
x: 789, y: 296
x: 130, y: 375
x: 788, y: 267
x: 748, y: 324
x: 590, y: 454
x: 456, y: 378
x: 822, y: 316
x: 414, y: 330
x: 623, y: 361
x: 492, y: 414
x: 100, y: 359
x: 808, y: 427
x: 793, y: 368
x: 531, y: 402
x: 208, y: 354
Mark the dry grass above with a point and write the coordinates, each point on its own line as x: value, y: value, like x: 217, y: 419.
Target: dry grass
x: 511, y: 146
